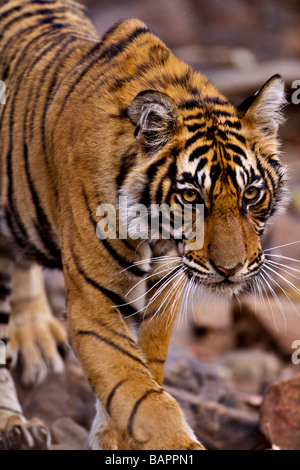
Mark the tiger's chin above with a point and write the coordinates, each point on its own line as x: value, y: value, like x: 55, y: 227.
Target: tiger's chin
x: 224, y: 288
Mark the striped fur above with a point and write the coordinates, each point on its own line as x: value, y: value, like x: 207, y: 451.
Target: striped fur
x: 87, y: 120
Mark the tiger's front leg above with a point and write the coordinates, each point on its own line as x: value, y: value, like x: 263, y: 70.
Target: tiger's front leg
x: 154, y: 337
x: 142, y: 414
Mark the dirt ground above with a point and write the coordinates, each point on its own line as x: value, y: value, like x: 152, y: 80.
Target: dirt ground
x: 231, y: 363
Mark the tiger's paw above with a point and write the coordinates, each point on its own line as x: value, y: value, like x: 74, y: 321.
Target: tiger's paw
x: 38, y: 339
x: 165, y: 430
x: 158, y: 423
x: 16, y: 433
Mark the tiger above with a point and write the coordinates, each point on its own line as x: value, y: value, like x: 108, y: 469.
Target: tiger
x: 88, y: 120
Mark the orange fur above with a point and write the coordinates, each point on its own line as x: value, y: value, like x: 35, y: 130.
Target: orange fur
x: 87, y: 120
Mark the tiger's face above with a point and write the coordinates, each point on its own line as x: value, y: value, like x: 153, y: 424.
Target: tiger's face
x: 205, y: 151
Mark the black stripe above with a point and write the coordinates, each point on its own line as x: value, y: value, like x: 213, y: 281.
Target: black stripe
x: 29, y: 14
x: 157, y: 361
x: 191, y: 117
x: 189, y: 104
x: 9, y: 12
x: 110, y: 52
x: 220, y: 113
x: 30, y: 250
x: 126, y: 310
x: 136, y: 406
x: 43, y: 1
x: 14, y: 39
x: 239, y: 137
x: 236, y: 149
x: 4, y: 318
x: 198, y: 152
x: 42, y: 224
x: 215, y: 100
x: 12, y: 215
x: 237, y: 161
x: 128, y: 160
x: 122, y: 261
x: 232, y: 124
x: 172, y: 175
x: 231, y: 172
x: 194, y: 138
x: 52, y: 90
x: 215, y: 172
x: 115, y: 332
x: 150, y: 175
x: 112, y: 394
x: 112, y: 344
x: 195, y: 127
x: 160, y: 185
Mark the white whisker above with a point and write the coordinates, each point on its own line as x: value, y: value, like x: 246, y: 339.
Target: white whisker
x: 285, y: 293
x: 278, y: 266
x: 170, y: 294
x: 282, y: 277
x: 155, y: 259
x: 281, y: 246
x: 178, y: 295
x: 160, y: 290
x: 153, y: 274
x: 152, y: 287
x: 263, y: 296
x: 284, y: 257
x: 275, y: 296
x: 152, y: 299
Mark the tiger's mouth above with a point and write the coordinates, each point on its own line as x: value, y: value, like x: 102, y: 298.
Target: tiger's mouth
x: 220, y: 287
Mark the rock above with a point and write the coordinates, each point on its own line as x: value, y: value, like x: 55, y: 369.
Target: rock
x: 211, y: 322
x: 249, y: 371
x: 217, y: 426
x: 61, y: 395
x: 184, y: 371
x: 280, y: 414
x: 65, y: 431
x: 269, y: 323
x: 220, y: 417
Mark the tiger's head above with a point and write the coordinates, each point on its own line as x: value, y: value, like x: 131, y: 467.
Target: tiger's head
x: 203, y: 150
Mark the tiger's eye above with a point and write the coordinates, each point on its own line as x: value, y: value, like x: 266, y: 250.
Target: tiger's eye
x: 190, y: 195
x: 251, y: 193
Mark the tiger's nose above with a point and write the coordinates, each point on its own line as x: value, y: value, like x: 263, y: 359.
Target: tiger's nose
x: 227, y: 272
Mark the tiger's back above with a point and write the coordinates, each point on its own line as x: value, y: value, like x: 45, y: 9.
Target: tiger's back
x: 39, y: 42
x: 61, y: 65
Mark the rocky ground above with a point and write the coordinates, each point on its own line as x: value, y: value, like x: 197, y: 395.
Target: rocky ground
x: 233, y: 366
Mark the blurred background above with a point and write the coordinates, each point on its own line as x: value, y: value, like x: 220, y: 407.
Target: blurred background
x: 233, y: 365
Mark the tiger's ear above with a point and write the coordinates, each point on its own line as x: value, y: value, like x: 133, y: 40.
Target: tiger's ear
x: 264, y: 108
x: 155, y: 116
